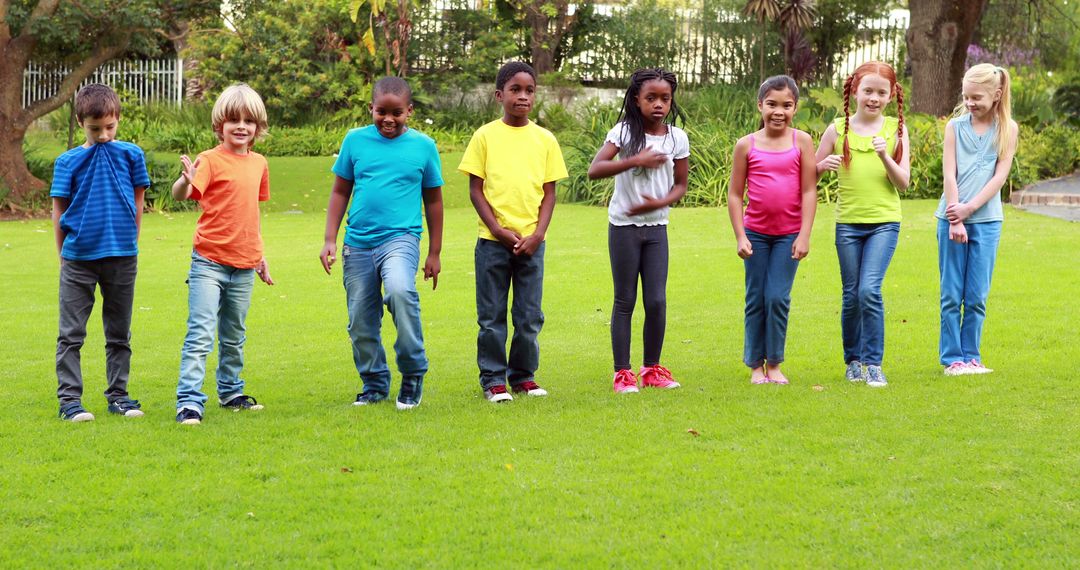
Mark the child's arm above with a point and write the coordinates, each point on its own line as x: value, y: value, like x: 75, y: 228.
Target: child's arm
x: 899, y: 173
x: 528, y: 244
x: 961, y: 211
x: 433, y: 211
x: 335, y: 211
x: 825, y: 159
x: 735, y: 196
x: 604, y: 164
x: 957, y: 231
x: 59, y: 206
x: 508, y: 238
x: 678, y: 190
x: 140, y: 203
x: 181, y: 189
x: 808, y: 177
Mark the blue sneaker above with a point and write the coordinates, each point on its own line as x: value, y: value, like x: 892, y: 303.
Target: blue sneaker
x: 188, y: 417
x: 125, y: 407
x: 74, y: 412
x: 411, y: 392
x: 875, y: 378
x: 366, y: 398
x: 242, y: 402
x: 854, y: 372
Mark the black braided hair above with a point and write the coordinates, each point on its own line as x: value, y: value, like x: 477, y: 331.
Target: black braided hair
x: 630, y: 115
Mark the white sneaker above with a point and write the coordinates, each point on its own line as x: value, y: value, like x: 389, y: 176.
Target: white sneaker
x: 497, y: 394
x: 958, y: 368
x: 529, y: 388
x: 875, y: 378
x: 976, y: 367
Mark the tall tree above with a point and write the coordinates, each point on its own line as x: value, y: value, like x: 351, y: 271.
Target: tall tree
x: 937, y: 40
x: 83, y: 35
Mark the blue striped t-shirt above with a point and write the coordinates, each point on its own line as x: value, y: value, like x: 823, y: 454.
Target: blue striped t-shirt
x: 99, y: 183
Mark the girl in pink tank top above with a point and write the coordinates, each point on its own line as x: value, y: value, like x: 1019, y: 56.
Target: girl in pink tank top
x: 774, y: 168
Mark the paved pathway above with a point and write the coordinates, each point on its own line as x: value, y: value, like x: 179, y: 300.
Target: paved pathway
x: 1059, y: 198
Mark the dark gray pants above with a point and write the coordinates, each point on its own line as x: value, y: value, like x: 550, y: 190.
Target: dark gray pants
x: 78, y: 279
x: 638, y: 251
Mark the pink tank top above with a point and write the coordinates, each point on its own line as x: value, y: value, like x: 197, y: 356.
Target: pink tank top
x: 773, y: 190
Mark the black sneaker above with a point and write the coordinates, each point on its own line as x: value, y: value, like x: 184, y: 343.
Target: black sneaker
x: 189, y: 417
x: 125, y: 407
x: 366, y: 398
x: 242, y: 402
x: 74, y: 412
x: 410, y: 394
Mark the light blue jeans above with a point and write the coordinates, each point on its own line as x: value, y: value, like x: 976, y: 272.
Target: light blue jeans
x: 385, y: 274
x: 864, y: 251
x: 966, y: 269
x: 218, y: 297
x: 770, y: 273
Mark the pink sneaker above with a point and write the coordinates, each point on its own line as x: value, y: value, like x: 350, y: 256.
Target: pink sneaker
x: 958, y: 368
x: 625, y: 382
x: 976, y: 367
x: 657, y: 377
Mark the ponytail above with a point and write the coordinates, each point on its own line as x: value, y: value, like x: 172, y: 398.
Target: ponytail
x: 898, y: 150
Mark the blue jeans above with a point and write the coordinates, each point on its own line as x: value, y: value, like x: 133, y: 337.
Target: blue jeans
x: 864, y: 251
x: 496, y: 269
x: 966, y: 269
x: 390, y: 267
x: 218, y: 297
x: 770, y: 272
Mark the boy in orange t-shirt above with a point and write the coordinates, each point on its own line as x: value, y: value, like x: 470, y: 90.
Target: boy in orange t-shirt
x: 228, y: 181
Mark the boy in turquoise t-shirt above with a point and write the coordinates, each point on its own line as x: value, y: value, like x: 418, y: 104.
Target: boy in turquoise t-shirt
x: 513, y: 165
x: 388, y: 170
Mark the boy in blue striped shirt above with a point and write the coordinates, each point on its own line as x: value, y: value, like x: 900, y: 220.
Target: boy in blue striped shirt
x: 97, y: 195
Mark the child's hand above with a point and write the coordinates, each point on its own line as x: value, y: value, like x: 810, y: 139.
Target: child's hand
x: 649, y: 158
x: 647, y: 205
x: 958, y: 233
x: 801, y: 248
x: 880, y: 147
x: 957, y: 213
x: 188, y: 168
x: 328, y: 255
x: 432, y: 267
x: 509, y: 238
x: 831, y: 162
x: 263, y: 271
x: 528, y: 245
x: 745, y: 249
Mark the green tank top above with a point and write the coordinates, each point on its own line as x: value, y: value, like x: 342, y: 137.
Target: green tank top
x: 866, y: 196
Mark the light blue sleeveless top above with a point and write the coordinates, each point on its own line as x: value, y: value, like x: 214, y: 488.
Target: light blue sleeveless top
x: 976, y: 159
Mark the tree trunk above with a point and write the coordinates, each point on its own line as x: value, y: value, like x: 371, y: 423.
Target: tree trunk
x: 937, y: 41
x: 18, y: 185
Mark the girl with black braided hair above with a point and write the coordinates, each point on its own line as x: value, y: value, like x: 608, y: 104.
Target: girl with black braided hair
x: 650, y: 175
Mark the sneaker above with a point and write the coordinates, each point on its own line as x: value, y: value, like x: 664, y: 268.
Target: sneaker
x: 657, y: 377
x: 529, y: 388
x: 125, y: 407
x: 854, y: 372
x: 976, y: 367
x: 366, y: 398
x: 875, y: 378
x: 74, y: 412
x: 242, y: 402
x: 410, y: 394
x: 188, y: 417
x: 625, y: 382
x: 497, y: 393
x: 958, y: 368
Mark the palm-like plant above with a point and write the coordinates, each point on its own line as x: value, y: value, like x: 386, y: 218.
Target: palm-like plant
x: 764, y: 11
x: 794, y: 16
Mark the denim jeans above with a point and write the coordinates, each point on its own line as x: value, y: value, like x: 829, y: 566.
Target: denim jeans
x: 218, y: 297
x: 770, y: 272
x: 496, y: 269
x: 966, y: 269
x: 384, y: 275
x: 864, y: 251
x: 638, y: 251
x: 116, y: 278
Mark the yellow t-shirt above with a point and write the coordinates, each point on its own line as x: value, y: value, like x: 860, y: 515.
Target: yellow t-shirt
x: 515, y: 163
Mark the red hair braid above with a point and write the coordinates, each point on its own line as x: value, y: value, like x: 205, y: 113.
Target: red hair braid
x: 848, y: 87
x: 898, y: 150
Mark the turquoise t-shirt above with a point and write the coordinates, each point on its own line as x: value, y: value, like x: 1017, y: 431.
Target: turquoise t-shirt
x: 976, y: 160
x: 388, y: 177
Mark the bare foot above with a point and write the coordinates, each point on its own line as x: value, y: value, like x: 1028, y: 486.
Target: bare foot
x: 775, y: 376
x: 757, y: 376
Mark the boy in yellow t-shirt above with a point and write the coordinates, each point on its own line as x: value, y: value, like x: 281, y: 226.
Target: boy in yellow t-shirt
x: 512, y: 165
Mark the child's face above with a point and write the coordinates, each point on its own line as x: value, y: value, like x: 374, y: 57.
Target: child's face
x: 100, y: 129
x: 777, y: 108
x: 873, y: 94
x: 979, y: 99
x: 390, y: 112
x: 654, y: 100
x: 239, y: 134
x: 517, y: 97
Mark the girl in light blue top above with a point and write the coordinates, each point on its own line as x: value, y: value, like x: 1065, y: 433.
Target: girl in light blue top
x: 980, y: 142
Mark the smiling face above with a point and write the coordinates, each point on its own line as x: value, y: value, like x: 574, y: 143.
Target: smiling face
x: 872, y: 95
x: 517, y: 97
x: 777, y: 109
x: 99, y: 130
x: 654, y: 100
x: 239, y: 134
x: 979, y: 99
x: 390, y: 113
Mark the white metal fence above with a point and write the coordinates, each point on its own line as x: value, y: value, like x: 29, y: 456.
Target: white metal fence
x: 152, y: 80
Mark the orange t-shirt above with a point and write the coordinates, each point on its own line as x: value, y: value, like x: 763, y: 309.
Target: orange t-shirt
x: 229, y: 188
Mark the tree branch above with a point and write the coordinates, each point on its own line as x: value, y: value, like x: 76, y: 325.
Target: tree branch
x: 43, y: 9
x: 70, y: 84
x: 5, y: 28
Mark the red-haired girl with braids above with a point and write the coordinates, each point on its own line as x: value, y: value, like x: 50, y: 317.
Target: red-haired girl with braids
x: 869, y: 151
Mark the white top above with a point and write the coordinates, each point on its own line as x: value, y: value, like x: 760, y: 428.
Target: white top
x: 634, y: 184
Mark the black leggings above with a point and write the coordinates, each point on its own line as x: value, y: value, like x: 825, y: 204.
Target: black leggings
x: 638, y: 250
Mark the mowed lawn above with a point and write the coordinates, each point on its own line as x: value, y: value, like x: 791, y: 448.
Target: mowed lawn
x: 929, y: 472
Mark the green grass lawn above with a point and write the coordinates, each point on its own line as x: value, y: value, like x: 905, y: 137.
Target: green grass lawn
x: 929, y: 472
